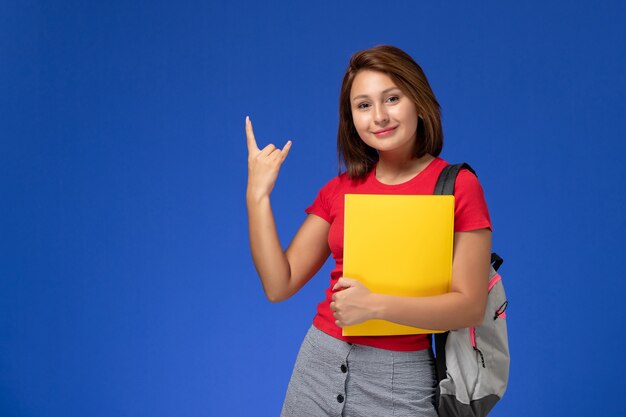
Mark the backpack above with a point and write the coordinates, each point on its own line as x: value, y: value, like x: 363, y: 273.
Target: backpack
x: 473, y: 363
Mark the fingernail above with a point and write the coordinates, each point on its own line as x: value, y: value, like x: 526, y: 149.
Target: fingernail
x: 247, y: 118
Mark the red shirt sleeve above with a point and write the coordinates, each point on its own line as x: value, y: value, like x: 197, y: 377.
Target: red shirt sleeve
x: 321, y: 205
x: 470, y: 210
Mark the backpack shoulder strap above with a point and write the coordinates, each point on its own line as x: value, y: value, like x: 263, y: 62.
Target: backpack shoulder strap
x: 445, y: 186
x: 445, y: 182
x: 496, y: 261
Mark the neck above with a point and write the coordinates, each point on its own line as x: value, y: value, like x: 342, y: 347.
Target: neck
x: 399, y: 169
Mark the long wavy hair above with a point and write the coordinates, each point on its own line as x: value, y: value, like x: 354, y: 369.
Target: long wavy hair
x: 359, y: 158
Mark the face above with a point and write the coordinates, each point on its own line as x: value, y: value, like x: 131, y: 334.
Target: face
x: 384, y: 117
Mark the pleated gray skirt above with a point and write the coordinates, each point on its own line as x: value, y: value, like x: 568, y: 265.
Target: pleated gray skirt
x: 334, y: 378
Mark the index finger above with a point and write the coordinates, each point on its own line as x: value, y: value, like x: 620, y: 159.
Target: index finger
x: 252, y: 146
x: 343, y: 283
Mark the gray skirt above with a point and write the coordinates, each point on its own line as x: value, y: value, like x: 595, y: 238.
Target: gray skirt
x: 335, y: 378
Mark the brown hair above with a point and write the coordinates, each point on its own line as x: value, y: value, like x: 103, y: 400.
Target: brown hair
x: 356, y: 156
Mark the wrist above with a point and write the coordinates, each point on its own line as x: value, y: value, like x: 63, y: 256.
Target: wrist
x: 254, y: 196
x: 378, y: 306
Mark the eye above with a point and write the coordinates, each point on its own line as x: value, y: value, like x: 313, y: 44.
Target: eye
x: 362, y: 106
x: 393, y: 99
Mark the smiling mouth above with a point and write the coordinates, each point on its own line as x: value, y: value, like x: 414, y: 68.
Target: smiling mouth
x: 385, y: 132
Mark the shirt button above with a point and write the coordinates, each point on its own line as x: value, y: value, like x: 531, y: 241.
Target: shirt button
x: 344, y: 368
x: 340, y: 398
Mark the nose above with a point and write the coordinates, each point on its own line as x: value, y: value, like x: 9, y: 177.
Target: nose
x: 380, y: 115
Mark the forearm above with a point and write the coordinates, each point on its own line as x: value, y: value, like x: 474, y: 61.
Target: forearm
x: 442, y: 312
x: 267, y: 253
x: 463, y: 306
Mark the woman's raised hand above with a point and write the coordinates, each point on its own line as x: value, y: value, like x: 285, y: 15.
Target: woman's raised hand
x: 263, y: 164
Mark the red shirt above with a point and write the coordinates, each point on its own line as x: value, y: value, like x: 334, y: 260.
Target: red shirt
x: 470, y: 213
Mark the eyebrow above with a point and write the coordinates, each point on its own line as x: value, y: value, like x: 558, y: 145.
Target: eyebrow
x: 383, y: 92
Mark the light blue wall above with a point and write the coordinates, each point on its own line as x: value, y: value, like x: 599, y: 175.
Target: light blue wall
x: 126, y: 284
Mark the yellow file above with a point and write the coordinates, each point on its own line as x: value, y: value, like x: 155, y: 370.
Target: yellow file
x: 398, y: 245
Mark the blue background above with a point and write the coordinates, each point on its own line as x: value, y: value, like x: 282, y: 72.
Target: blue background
x: 126, y: 283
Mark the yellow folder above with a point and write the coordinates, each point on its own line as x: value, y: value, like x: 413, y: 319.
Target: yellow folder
x: 398, y: 245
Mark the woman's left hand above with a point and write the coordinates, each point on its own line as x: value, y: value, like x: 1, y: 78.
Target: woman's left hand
x: 352, y: 302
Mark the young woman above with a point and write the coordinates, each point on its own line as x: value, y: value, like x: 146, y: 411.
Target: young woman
x: 389, y: 140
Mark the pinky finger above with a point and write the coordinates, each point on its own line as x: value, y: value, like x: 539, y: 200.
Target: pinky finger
x: 285, y: 151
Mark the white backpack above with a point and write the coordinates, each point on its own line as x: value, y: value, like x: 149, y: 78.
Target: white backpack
x: 473, y: 363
